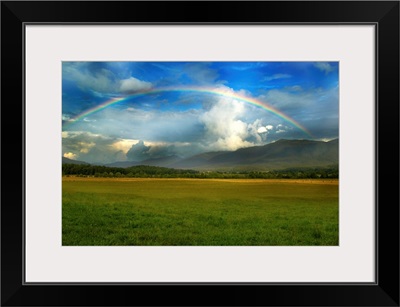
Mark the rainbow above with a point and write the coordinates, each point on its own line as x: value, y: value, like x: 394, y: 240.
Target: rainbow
x: 205, y: 90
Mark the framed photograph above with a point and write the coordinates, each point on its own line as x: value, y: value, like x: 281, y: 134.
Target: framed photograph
x: 241, y: 153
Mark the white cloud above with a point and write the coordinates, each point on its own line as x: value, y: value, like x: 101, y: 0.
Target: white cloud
x: 70, y: 155
x: 123, y: 145
x: 265, y: 129
x: 133, y: 85
x: 282, y: 128
x: 325, y: 139
x: 224, y: 127
x: 262, y: 130
x: 324, y: 66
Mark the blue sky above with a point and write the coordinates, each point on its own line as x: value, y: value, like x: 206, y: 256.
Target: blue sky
x: 183, y: 122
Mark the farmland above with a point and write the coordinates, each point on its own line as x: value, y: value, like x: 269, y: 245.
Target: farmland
x: 202, y: 212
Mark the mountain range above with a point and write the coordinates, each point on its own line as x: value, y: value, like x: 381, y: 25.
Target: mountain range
x: 281, y: 154
x: 71, y: 161
x: 278, y: 155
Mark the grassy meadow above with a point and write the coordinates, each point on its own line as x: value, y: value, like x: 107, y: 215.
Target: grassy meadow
x: 171, y: 212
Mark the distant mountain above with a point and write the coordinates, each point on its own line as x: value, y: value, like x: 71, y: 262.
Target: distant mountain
x: 278, y: 155
x: 123, y: 164
x: 70, y: 161
x: 163, y: 162
x: 281, y: 154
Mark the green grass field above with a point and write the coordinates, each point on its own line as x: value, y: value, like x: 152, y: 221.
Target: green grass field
x: 164, y: 212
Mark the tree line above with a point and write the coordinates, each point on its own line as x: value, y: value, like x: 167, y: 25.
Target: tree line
x: 146, y: 171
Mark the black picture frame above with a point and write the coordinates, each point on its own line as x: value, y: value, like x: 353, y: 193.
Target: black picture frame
x: 383, y: 14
